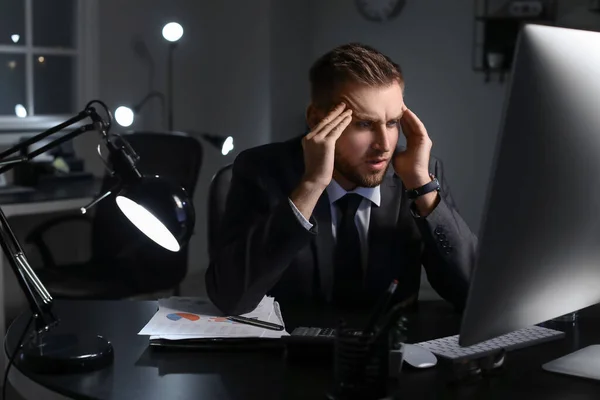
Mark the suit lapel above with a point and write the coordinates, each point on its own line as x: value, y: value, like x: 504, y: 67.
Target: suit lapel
x: 383, y: 236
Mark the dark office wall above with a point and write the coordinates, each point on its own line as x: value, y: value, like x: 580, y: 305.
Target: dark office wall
x: 291, y: 43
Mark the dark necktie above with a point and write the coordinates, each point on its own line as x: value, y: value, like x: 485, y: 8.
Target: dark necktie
x: 348, y: 276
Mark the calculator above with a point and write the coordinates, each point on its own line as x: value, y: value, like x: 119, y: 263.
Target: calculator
x: 309, y: 343
x: 314, y: 332
x: 320, y: 333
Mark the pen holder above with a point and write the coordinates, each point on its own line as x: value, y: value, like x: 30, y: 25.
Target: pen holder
x: 360, y: 365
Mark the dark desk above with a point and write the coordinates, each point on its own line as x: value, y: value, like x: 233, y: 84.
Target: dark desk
x: 143, y: 373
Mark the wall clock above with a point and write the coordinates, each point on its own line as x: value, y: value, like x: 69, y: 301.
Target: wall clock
x: 379, y: 10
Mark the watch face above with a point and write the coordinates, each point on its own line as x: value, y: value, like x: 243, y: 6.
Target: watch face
x: 379, y: 10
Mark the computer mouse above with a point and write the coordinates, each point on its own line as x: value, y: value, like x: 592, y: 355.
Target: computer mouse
x: 418, y: 357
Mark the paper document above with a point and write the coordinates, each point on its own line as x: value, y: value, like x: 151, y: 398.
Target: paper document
x: 180, y: 318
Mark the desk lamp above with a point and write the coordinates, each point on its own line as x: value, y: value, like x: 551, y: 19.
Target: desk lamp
x: 157, y: 207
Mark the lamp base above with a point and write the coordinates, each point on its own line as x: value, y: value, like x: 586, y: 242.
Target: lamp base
x: 58, y: 353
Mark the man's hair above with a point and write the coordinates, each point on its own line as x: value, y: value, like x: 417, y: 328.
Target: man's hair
x: 350, y: 63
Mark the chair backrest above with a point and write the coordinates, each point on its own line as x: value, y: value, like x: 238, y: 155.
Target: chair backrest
x: 173, y: 156
x: 217, y: 196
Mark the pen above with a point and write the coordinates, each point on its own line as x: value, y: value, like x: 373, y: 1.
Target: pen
x: 380, y: 308
x: 256, y: 322
x: 389, y: 320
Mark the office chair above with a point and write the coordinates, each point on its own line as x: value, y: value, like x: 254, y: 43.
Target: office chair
x: 217, y: 198
x: 124, y: 262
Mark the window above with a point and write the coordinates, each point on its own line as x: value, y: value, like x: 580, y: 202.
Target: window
x: 44, y: 48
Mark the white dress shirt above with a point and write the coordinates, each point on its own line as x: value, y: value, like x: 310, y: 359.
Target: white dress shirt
x: 362, y: 218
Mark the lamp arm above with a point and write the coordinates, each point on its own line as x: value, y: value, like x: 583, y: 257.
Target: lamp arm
x: 97, y: 125
x: 38, y: 297
x: 10, y: 163
x: 23, y: 145
x: 40, y: 301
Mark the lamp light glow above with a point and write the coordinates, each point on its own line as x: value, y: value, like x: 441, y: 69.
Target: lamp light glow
x: 146, y: 222
x: 161, y: 209
x: 124, y: 116
x: 172, y: 31
x: 227, y: 146
x: 20, y: 111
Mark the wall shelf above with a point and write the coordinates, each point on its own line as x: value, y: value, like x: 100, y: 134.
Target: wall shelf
x: 495, y: 32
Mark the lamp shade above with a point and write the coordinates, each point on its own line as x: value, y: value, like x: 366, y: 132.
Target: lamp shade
x: 160, y: 209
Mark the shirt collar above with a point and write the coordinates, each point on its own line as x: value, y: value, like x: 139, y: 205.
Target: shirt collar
x: 336, y: 192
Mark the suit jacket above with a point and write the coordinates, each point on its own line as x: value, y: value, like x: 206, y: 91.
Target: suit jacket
x: 264, y: 249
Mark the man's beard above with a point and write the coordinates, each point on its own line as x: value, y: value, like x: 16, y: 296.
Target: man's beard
x: 351, y: 173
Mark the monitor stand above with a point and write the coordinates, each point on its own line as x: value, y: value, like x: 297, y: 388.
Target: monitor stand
x: 584, y: 363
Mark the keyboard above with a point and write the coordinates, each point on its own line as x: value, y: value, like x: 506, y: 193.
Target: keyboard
x: 449, y: 348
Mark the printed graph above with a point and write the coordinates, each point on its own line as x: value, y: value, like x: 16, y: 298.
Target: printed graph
x: 178, y: 316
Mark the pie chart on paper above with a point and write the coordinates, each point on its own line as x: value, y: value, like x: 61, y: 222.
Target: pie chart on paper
x: 179, y: 315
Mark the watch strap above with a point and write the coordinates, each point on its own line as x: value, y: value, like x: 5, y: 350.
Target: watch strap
x: 429, y: 187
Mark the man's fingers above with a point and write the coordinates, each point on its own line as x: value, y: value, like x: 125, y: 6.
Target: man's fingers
x: 412, y: 120
x: 412, y: 127
x: 405, y: 126
x: 333, y: 114
x: 333, y: 124
x: 339, y: 129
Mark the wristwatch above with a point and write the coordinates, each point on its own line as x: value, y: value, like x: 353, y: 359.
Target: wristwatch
x: 429, y: 187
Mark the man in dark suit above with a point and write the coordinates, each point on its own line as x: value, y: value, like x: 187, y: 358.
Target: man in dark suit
x: 334, y: 216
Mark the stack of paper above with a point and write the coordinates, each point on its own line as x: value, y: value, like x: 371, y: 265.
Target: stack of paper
x: 181, y: 318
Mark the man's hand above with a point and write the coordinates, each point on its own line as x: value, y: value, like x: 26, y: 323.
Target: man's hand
x: 319, y: 146
x: 319, y: 153
x: 412, y: 164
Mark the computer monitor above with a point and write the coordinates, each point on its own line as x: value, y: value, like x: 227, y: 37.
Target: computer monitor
x: 539, y: 241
